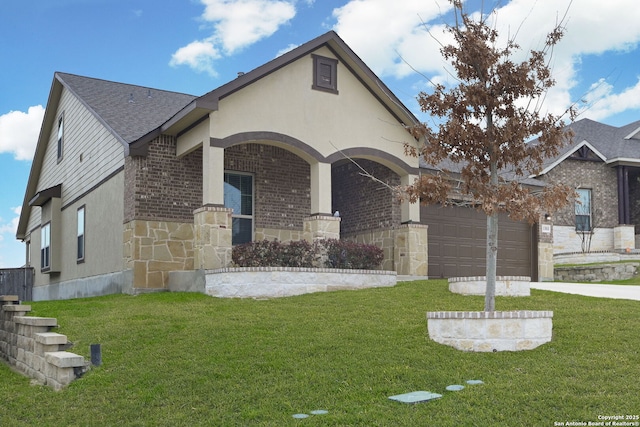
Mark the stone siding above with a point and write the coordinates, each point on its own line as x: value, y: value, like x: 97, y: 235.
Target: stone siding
x: 154, y: 248
x: 565, y: 239
x: 597, y: 273
x: 282, y: 184
x: 162, y: 186
x: 383, y: 238
x: 27, y: 344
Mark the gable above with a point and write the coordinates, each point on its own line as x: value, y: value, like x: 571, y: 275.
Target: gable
x: 582, y: 151
x: 90, y: 155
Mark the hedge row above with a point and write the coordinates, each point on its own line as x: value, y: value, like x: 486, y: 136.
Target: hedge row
x: 331, y: 253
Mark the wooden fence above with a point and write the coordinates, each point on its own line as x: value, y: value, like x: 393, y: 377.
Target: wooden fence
x: 17, y: 281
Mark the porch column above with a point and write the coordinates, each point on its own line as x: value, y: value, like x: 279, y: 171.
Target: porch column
x: 321, y: 224
x: 212, y: 222
x: 411, y: 252
x: 212, y: 175
x: 543, y: 241
x: 409, y: 212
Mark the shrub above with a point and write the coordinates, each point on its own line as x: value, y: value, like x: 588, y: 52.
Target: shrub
x: 346, y: 254
x: 337, y: 254
x: 272, y: 253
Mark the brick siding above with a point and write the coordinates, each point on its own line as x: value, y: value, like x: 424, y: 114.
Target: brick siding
x: 365, y: 204
x: 282, y: 184
x: 162, y: 186
x: 597, y: 176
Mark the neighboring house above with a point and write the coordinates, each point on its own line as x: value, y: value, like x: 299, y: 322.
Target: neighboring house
x: 130, y: 183
x: 603, y: 165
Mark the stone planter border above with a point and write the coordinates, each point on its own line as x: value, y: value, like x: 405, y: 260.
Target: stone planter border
x: 274, y: 282
x: 484, y: 331
x: 509, y: 286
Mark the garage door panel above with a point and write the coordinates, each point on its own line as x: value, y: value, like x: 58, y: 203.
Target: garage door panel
x: 457, y: 243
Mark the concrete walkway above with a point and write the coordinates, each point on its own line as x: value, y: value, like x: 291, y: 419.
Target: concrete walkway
x: 591, y: 290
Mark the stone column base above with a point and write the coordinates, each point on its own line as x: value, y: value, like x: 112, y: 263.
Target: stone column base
x: 319, y: 227
x: 411, y: 253
x: 624, y: 237
x: 213, y: 232
x: 545, y: 262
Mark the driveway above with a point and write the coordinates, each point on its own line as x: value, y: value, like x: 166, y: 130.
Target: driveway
x: 591, y: 290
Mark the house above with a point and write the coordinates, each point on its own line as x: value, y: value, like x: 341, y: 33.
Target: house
x: 603, y: 165
x: 129, y: 183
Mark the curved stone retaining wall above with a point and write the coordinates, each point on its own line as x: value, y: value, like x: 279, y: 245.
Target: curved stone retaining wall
x: 483, y: 331
x: 509, y: 286
x: 273, y: 282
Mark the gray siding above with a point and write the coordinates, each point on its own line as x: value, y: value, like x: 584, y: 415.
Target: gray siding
x: 91, y: 174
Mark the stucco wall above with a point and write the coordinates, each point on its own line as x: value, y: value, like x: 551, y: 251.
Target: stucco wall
x: 284, y: 102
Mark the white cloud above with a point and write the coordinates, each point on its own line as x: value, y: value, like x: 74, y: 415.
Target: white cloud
x: 602, y: 101
x: 199, y: 55
x: 382, y: 31
x: 19, y: 132
x: 236, y: 25
x: 289, y: 48
x: 10, y: 227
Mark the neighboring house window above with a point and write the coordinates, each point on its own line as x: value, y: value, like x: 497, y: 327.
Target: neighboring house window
x: 583, y: 210
x: 80, y: 239
x: 325, y: 74
x: 238, y: 195
x: 60, y: 136
x: 45, y: 246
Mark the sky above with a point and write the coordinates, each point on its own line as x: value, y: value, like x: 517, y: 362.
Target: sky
x: 194, y: 46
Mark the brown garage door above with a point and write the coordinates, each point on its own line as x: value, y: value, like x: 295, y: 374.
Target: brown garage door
x: 457, y: 243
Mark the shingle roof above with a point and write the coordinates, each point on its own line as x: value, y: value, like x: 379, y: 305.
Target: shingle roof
x: 610, y: 141
x: 130, y: 111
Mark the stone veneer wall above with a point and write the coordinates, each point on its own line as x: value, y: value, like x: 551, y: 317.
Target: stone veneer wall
x: 565, y: 239
x: 27, y: 344
x: 154, y: 248
x: 405, y: 247
x: 597, y: 273
x: 383, y: 238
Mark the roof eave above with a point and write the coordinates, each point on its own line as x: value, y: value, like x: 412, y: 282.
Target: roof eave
x: 55, y: 94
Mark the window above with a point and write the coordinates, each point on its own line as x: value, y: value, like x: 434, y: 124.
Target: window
x: 45, y: 247
x: 80, y: 237
x: 583, y: 210
x: 60, y: 136
x: 325, y: 74
x: 238, y: 195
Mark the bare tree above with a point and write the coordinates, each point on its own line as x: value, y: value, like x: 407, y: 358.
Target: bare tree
x: 487, y: 119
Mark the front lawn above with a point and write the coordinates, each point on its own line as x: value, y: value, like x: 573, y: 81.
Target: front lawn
x: 177, y: 359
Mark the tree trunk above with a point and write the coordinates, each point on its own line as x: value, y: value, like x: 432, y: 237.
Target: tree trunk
x: 492, y: 262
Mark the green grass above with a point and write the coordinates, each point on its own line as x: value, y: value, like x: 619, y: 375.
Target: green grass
x: 176, y: 359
